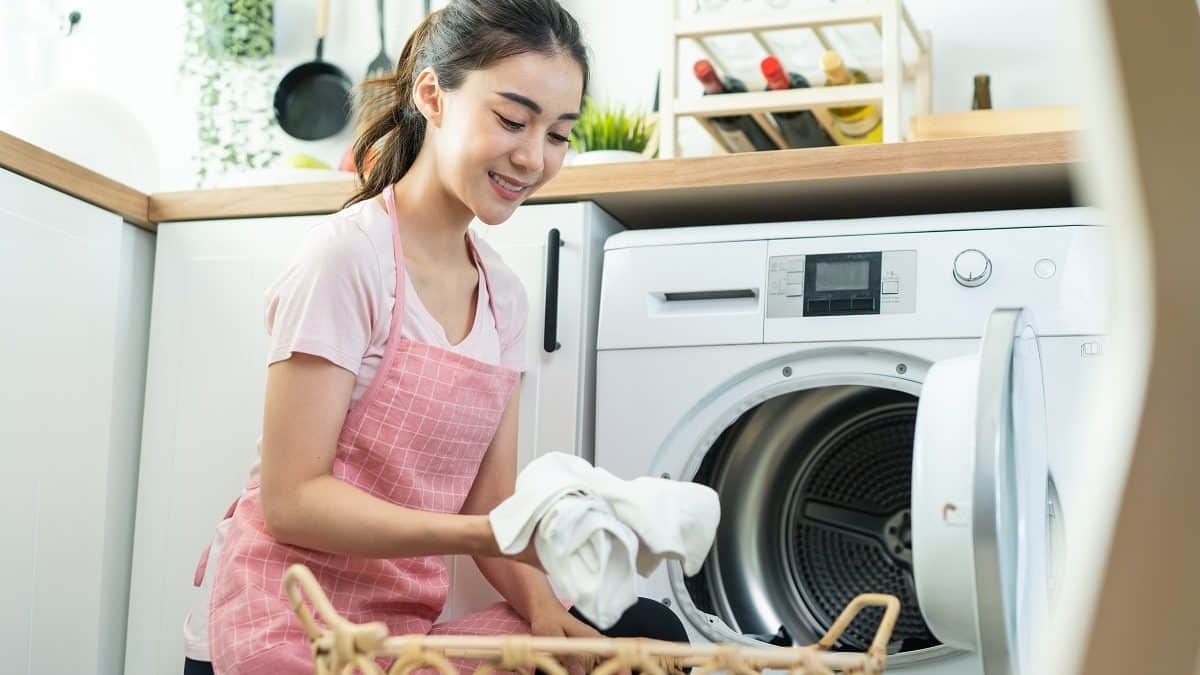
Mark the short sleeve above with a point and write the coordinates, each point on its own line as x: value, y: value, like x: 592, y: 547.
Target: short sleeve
x: 327, y: 301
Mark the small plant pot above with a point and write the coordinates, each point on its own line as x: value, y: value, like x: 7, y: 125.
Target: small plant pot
x: 606, y: 157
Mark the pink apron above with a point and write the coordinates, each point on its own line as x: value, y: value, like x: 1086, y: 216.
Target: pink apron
x: 415, y: 438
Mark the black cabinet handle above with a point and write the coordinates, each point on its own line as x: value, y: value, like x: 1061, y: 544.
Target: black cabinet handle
x: 550, y: 334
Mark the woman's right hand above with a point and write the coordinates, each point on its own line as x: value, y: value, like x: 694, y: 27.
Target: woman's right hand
x: 529, y: 556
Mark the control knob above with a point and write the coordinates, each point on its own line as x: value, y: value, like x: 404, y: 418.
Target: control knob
x: 972, y: 268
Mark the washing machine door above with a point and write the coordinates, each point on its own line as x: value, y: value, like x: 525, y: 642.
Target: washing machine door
x: 979, y: 497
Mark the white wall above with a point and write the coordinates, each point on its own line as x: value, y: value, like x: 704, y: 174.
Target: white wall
x: 129, y: 50
x: 1017, y: 42
x: 1020, y: 43
x: 125, y: 52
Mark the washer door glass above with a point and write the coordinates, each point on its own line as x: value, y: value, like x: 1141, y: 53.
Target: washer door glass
x: 979, y: 504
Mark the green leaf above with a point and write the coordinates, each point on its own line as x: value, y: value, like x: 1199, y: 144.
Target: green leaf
x: 227, y: 48
x: 610, y: 127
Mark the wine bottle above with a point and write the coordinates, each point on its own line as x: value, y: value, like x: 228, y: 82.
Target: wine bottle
x: 800, y: 127
x: 852, y: 124
x: 740, y: 132
x: 982, y: 100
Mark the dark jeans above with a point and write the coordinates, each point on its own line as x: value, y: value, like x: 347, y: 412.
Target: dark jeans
x: 647, y: 618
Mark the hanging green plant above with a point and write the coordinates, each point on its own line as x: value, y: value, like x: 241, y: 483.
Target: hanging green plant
x: 228, y: 57
x: 610, y: 127
x: 238, y: 29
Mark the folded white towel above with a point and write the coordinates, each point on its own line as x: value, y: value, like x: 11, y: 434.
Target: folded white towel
x: 592, y: 530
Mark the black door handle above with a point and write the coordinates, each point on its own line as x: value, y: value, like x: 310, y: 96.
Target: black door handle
x: 550, y: 333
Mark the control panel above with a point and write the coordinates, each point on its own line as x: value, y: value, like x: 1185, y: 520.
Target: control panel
x: 842, y: 284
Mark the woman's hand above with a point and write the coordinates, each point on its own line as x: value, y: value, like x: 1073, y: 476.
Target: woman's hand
x: 554, y: 621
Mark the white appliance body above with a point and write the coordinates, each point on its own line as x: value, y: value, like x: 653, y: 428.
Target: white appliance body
x: 733, y: 355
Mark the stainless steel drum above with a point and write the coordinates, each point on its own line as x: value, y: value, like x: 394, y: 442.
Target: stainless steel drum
x: 815, y: 490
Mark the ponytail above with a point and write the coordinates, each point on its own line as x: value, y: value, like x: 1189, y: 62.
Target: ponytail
x: 391, y: 129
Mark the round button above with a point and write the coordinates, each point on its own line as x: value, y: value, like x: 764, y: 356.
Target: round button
x: 972, y: 268
x: 1045, y: 268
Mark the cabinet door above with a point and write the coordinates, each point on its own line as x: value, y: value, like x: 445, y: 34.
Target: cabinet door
x: 528, y: 260
x: 204, y: 401
x: 74, y: 297
x: 557, y: 389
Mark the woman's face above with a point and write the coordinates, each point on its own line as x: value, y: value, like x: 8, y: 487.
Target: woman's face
x: 503, y: 133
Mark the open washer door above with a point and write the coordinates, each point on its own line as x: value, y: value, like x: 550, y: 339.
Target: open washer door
x: 979, y: 497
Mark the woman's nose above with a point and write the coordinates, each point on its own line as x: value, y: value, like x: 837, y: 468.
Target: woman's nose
x: 529, y: 156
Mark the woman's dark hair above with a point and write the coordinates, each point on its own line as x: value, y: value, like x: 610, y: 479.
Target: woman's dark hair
x: 465, y: 36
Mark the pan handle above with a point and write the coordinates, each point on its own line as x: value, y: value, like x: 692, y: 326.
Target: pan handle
x: 322, y: 22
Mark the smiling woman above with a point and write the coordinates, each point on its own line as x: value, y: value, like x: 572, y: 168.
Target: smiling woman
x: 478, y: 88
x: 396, y: 345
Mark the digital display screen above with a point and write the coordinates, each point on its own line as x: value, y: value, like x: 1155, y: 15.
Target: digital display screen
x: 843, y: 275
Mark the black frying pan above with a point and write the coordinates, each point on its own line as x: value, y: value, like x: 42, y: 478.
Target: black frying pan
x: 313, y: 100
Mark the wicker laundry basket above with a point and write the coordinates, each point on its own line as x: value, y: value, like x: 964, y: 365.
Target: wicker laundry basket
x: 344, y: 648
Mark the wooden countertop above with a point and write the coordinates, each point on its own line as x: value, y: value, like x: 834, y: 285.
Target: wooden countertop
x: 63, y: 175
x: 983, y: 173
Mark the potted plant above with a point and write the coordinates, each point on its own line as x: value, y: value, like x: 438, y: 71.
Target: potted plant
x: 228, y: 57
x: 611, y: 133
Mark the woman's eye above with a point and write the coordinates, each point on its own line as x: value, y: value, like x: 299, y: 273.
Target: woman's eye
x: 558, y: 139
x: 509, y: 124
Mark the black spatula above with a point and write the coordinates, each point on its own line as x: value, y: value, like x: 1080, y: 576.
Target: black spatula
x: 383, y: 64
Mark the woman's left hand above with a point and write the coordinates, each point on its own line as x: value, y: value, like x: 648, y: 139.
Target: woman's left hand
x: 554, y: 621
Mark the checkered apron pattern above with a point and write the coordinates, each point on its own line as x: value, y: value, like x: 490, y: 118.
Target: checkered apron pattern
x: 416, y: 439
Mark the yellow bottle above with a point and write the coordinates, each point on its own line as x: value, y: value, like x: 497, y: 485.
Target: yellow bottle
x: 852, y: 125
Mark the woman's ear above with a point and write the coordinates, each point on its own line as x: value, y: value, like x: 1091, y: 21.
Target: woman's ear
x: 427, y: 97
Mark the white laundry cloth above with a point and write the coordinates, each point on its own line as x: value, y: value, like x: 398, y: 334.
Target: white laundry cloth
x: 593, y: 531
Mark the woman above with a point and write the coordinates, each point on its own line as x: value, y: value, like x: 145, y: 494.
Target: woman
x: 390, y: 424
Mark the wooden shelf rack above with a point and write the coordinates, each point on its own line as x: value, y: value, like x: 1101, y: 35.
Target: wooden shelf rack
x: 889, y: 17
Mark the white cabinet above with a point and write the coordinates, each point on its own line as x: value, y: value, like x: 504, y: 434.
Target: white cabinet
x: 74, y: 306
x: 558, y: 388
x: 204, y: 401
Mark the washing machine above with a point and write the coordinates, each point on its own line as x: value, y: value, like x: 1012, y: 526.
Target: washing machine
x: 883, y: 405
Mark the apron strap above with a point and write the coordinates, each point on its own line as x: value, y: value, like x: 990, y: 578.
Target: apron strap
x: 202, y: 566
x: 389, y: 196
x: 487, y: 280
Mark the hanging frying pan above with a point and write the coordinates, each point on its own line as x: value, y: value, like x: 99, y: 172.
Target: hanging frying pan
x: 313, y: 100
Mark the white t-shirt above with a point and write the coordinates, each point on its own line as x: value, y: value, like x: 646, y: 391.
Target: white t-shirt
x: 335, y: 301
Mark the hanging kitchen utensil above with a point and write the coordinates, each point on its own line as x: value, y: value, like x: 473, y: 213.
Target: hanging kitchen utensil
x: 383, y: 64
x: 313, y: 100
